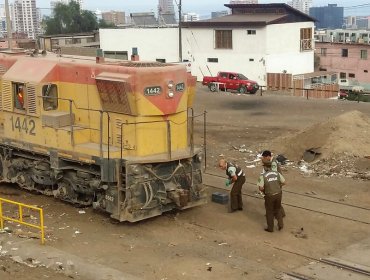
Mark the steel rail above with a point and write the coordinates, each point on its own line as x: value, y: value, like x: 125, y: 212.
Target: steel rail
x: 324, y: 261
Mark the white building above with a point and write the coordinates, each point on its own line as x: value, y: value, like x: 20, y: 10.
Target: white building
x: 250, y: 41
x: 190, y: 17
x: 301, y: 5
x: 166, y: 7
x: 26, y: 18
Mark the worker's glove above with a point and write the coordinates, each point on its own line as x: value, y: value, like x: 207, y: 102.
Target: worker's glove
x: 227, y: 182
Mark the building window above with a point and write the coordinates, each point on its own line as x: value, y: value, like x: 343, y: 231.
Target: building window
x: 351, y: 75
x: 344, y: 52
x: 19, y: 96
x: 306, y: 39
x: 212, y: 59
x: 251, y: 59
x: 365, y: 71
x: 251, y: 32
x: 323, y: 51
x: 162, y: 60
x: 342, y: 75
x: 363, y: 54
x: 224, y: 39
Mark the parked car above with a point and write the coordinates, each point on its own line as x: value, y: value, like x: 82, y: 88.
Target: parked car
x: 342, y: 94
x: 230, y: 81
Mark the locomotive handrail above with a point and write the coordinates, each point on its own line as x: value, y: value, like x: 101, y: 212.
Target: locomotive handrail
x: 204, y: 114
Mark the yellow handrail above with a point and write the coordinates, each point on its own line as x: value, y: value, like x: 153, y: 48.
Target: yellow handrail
x: 20, y: 220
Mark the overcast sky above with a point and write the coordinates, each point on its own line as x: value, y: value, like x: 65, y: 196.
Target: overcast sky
x: 203, y: 7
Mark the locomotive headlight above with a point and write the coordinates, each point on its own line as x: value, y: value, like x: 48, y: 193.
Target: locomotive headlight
x: 170, y: 94
x: 170, y: 85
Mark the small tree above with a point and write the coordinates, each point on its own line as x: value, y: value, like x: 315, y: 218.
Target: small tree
x: 70, y: 19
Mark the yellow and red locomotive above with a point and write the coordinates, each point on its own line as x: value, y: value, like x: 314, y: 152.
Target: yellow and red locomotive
x: 114, y: 135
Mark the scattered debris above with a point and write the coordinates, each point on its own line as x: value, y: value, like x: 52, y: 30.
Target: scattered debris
x: 300, y: 233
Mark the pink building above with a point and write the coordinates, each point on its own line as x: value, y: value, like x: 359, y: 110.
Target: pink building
x: 350, y: 60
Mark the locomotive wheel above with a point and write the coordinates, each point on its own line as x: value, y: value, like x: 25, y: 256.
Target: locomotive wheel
x: 65, y: 192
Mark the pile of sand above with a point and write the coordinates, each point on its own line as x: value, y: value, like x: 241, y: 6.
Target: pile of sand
x: 347, y: 134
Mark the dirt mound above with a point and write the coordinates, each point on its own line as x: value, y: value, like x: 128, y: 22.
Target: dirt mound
x: 347, y: 134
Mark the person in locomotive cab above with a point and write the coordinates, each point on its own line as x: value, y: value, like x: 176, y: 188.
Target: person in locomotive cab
x: 20, y: 96
x: 270, y: 183
x: 267, y: 157
x: 236, y: 177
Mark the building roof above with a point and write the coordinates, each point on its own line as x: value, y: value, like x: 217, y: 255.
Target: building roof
x: 254, y: 15
x: 167, y: 18
x: 70, y: 35
x: 143, y: 19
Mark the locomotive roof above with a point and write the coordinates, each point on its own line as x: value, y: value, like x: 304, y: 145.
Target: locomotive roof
x: 42, y: 68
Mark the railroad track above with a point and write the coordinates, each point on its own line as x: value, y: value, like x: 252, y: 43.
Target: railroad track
x: 307, y: 202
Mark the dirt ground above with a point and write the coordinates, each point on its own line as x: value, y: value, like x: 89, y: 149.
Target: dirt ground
x: 207, y: 242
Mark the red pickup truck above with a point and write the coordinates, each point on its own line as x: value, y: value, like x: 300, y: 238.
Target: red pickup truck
x: 232, y: 81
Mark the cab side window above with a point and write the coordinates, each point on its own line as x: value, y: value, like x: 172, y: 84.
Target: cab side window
x: 19, y: 96
x: 50, y: 97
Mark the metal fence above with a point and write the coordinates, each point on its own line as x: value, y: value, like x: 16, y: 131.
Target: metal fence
x: 21, y: 219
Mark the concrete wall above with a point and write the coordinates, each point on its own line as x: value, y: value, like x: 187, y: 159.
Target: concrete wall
x: 152, y: 43
x: 80, y: 51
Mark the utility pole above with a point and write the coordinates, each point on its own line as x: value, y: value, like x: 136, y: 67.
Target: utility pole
x: 8, y: 25
x: 180, y: 35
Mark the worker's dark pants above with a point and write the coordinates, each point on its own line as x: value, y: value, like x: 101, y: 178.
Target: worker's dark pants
x: 236, y: 201
x: 282, y: 211
x: 273, y: 209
